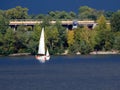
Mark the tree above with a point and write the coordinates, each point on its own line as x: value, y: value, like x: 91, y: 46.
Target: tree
x: 116, y: 44
x: 87, y: 40
x: 17, y: 13
x: 4, y: 23
x: 74, y: 46
x: 71, y: 42
x: 108, y: 14
x: 52, y: 38
x: 8, y: 42
x: 34, y: 41
x: 40, y: 16
x: 53, y: 15
x: 46, y: 21
x: 102, y: 23
x: 104, y: 35
x: 73, y: 15
x: 62, y: 15
x: 22, y: 39
x: 62, y: 41
x: 70, y: 37
x: 85, y: 12
x: 77, y: 38
x: 115, y: 22
x: 1, y: 43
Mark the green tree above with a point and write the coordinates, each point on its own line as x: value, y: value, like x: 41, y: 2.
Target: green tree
x: 73, y: 15
x: 40, y: 16
x: 46, y: 21
x: 62, y: 39
x: 104, y: 35
x: 115, y: 22
x: 62, y: 15
x: 88, y: 13
x: 77, y: 39
x: 108, y: 14
x: 1, y: 43
x: 85, y: 12
x: 102, y: 23
x: 22, y: 39
x: 34, y: 41
x: 87, y: 42
x: 53, y: 15
x: 74, y: 43
x: 84, y: 47
x: 71, y: 42
x: 36, y: 32
x: 8, y: 42
x: 116, y: 44
x: 17, y: 13
x: 4, y: 23
x: 52, y: 38
x: 106, y: 40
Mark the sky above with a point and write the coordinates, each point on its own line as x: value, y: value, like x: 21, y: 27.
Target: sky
x: 45, y: 6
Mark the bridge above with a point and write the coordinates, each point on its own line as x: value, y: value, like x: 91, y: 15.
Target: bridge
x: 33, y: 22
x: 66, y: 23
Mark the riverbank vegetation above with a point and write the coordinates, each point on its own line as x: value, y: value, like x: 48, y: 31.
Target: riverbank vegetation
x: 104, y: 37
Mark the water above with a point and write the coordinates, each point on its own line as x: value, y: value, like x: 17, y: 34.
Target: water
x: 99, y: 72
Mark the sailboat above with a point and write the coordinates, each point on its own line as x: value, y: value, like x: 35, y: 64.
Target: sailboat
x: 47, y: 55
x: 42, y: 56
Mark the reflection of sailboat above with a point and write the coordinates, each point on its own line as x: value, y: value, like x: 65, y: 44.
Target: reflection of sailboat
x: 41, y: 56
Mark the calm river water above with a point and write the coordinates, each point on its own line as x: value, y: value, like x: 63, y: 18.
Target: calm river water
x: 92, y: 72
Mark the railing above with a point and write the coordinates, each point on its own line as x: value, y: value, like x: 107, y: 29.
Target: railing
x: 35, y: 21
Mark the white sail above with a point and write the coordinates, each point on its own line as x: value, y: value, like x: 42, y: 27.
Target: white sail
x: 41, y: 48
x: 47, y: 55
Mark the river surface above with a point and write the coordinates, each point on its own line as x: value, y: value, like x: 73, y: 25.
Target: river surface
x: 91, y: 72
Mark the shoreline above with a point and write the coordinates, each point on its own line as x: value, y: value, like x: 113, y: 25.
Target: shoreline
x: 64, y: 54
x: 19, y: 54
x: 96, y: 53
x: 104, y: 52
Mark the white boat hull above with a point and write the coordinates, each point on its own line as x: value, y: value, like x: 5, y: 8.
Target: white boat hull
x: 42, y: 59
x: 47, y: 58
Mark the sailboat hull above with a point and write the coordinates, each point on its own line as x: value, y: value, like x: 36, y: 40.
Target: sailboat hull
x: 41, y: 58
x: 47, y: 58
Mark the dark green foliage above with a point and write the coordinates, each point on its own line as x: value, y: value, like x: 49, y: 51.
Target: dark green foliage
x: 8, y: 42
x: 85, y: 48
x: 116, y: 44
x: 73, y: 49
x: 17, y: 13
x: 115, y: 22
x: 87, y: 13
x: 108, y: 14
x: 62, y: 15
x: 4, y: 23
x: 106, y: 40
x: 46, y: 21
x: 62, y: 37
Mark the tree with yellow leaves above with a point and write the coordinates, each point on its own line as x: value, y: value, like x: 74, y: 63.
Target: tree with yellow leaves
x: 70, y: 37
